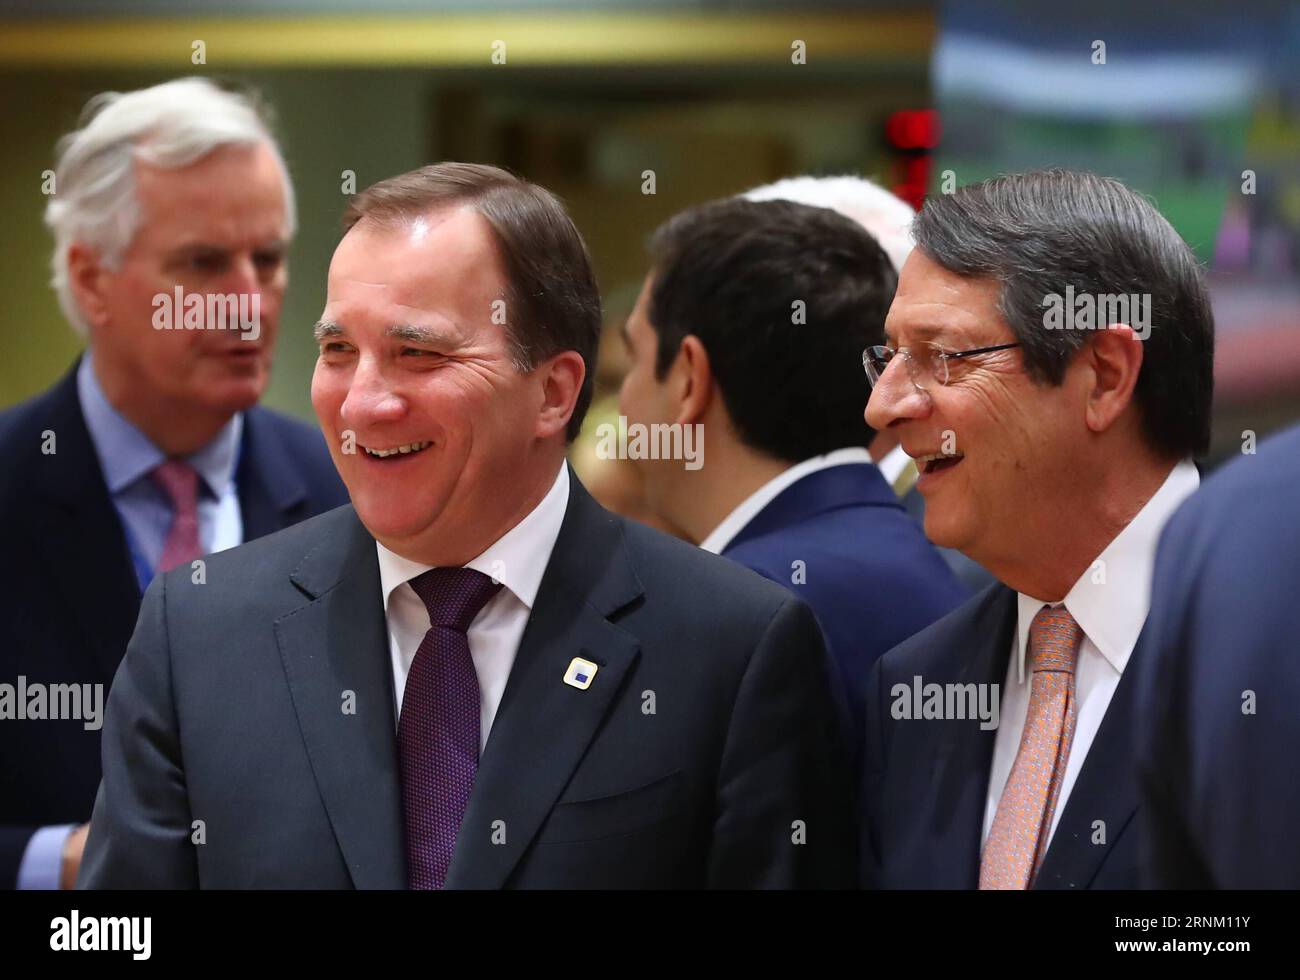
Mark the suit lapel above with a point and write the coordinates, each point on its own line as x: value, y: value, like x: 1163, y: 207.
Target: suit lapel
x: 337, y: 642
x: 1104, y: 790
x: 964, y: 756
x: 271, y: 491
x: 543, y: 725
x: 80, y: 534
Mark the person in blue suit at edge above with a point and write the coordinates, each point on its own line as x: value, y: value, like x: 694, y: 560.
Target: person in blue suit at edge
x: 1218, y: 670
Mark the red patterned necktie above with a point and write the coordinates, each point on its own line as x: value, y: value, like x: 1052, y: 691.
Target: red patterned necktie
x: 180, y: 482
x: 1023, y: 820
x: 438, y: 730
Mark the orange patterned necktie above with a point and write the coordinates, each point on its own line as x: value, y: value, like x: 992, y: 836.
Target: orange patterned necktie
x: 1023, y: 821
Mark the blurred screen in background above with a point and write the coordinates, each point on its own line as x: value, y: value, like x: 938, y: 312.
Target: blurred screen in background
x: 1198, y: 108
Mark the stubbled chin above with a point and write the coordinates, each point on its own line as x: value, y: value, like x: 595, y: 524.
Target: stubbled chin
x: 237, y: 397
x: 939, y: 531
x: 382, y: 526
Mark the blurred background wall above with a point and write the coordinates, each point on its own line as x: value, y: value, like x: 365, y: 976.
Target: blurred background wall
x: 1197, y: 105
x: 714, y: 98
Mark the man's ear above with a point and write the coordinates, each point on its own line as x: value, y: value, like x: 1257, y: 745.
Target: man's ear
x: 1113, y: 359
x: 692, y: 379
x: 86, y: 280
x: 561, y: 385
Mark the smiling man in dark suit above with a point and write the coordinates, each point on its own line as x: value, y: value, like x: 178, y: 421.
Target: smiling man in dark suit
x: 152, y: 450
x: 1051, y: 451
x: 473, y: 676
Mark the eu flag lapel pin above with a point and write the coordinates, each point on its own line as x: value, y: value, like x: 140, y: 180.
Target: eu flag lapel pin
x: 580, y: 673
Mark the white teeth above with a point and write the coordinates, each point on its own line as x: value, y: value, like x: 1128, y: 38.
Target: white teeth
x: 410, y: 447
x: 932, y: 457
x: 926, y: 463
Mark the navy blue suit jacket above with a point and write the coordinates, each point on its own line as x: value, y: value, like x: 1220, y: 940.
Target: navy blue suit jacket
x: 69, y: 596
x: 926, y: 781
x: 868, y: 571
x: 1219, y: 674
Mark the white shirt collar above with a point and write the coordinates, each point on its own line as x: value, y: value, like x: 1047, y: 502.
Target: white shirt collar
x: 752, y: 506
x: 517, y: 559
x: 891, y: 467
x: 1111, y: 599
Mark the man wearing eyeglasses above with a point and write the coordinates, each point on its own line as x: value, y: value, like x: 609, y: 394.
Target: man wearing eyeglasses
x: 1052, y: 450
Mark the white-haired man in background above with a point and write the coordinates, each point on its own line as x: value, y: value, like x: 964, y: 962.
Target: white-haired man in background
x: 172, y: 214
x: 889, y: 220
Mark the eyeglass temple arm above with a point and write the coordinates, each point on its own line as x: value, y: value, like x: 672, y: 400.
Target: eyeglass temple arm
x: 981, y: 350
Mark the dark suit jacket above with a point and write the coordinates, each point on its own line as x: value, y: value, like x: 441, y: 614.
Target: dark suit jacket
x: 69, y: 595
x: 704, y: 737
x: 869, y: 574
x: 926, y: 781
x: 1220, y: 678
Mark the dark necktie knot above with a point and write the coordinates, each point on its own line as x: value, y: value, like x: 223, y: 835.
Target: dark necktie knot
x: 454, y: 596
x: 179, y: 481
x: 1054, y: 638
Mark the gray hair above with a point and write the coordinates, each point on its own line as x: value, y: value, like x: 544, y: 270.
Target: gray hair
x: 1037, y: 233
x: 171, y: 125
x: 886, y: 217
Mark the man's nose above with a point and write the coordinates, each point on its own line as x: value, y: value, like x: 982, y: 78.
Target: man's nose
x: 894, y: 398
x: 241, y: 277
x: 370, y: 398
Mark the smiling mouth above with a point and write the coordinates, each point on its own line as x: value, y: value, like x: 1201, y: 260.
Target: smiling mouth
x: 409, y: 449
x: 938, y: 462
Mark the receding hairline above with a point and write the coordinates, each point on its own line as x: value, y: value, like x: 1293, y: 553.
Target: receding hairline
x: 395, y: 218
x: 394, y: 223
x: 429, y: 189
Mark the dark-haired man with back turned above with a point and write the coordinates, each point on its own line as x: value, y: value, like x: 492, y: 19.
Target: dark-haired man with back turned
x: 751, y: 326
x: 473, y: 676
x: 1053, y: 445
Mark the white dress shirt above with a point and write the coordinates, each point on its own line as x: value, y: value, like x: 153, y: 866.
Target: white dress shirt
x: 752, y: 506
x: 893, y: 464
x: 517, y: 560
x: 1110, y: 611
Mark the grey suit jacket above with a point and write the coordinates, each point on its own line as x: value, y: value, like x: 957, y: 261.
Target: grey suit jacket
x: 703, y: 754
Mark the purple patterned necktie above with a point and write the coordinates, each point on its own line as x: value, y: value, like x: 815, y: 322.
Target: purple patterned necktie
x: 438, y: 730
x: 180, y: 481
